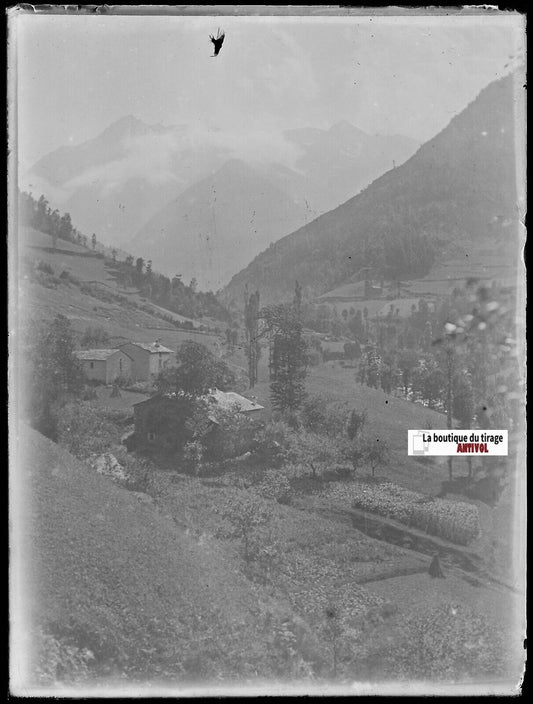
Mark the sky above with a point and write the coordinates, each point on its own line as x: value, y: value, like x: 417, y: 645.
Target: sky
x: 75, y: 75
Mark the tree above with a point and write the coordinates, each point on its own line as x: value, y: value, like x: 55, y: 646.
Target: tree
x: 65, y: 227
x: 429, y: 383
x: 376, y: 453
x: 355, y: 424
x: 312, y: 450
x: 54, y: 375
x: 407, y: 362
x: 353, y: 451
x: 288, y: 356
x: 94, y: 337
x: 246, y: 513
x: 198, y: 372
x: 251, y: 325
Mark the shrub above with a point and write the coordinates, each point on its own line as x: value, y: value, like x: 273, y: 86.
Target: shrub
x: 44, y: 267
x: 356, y: 423
x: 67, y: 277
x: 246, y: 513
x: 84, y: 431
x: 123, y: 382
x: 276, y: 486
x: 447, y: 642
x: 270, y: 443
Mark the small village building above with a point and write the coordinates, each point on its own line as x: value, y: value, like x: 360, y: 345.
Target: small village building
x: 104, y: 365
x: 148, y: 359
x: 401, y: 307
x: 154, y: 418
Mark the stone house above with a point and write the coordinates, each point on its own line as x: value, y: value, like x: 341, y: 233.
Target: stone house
x: 104, y: 365
x: 148, y: 359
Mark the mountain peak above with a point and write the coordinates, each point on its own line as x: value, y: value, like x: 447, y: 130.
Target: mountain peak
x: 127, y: 125
x: 345, y: 129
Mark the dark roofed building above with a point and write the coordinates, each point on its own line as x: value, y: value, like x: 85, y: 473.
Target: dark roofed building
x: 157, y: 419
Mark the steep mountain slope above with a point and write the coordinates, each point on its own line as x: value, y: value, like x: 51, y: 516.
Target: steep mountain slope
x: 459, y: 188
x: 342, y: 160
x: 216, y: 226
x: 103, y: 570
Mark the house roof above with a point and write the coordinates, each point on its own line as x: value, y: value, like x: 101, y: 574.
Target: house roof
x: 227, y: 400
x: 152, y: 347
x: 94, y: 355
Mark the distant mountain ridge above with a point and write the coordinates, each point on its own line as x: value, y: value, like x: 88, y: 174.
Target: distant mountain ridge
x: 220, y: 223
x: 113, y: 185
x: 458, y: 188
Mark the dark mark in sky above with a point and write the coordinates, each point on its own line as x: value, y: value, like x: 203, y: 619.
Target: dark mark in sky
x: 217, y: 41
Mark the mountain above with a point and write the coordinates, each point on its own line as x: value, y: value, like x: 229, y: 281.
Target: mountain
x: 216, y: 226
x: 116, y: 182
x: 458, y: 189
x: 344, y: 159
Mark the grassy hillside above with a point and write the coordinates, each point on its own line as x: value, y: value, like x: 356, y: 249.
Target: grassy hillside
x: 91, y: 295
x: 458, y: 190
x: 110, y: 573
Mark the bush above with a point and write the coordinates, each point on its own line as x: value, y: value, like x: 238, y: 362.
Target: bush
x: 245, y: 514
x: 44, y: 267
x: 448, y: 642
x: 276, y: 486
x: 270, y: 444
x: 123, y: 382
x: 67, y: 277
x: 85, y: 432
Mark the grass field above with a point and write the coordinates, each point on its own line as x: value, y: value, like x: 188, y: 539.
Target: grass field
x: 121, y: 322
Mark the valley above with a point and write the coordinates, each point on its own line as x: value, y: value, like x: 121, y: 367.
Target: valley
x: 233, y: 294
